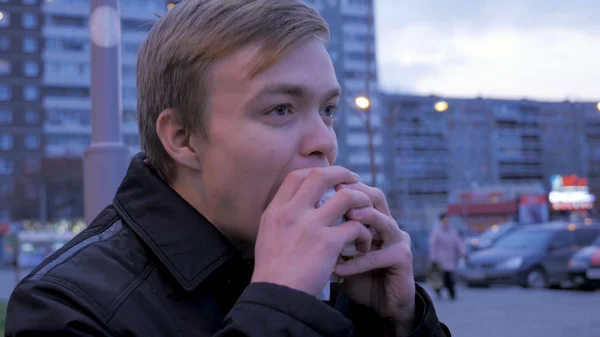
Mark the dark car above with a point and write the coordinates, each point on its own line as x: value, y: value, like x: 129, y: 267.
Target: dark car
x: 533, y: 256
x: 584, y: 267
x: 489, y: 237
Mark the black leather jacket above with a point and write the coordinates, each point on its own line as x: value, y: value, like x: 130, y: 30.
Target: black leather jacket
x: 151, y: 265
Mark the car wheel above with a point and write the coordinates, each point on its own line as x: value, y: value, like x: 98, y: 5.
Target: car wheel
x: 536, y: 279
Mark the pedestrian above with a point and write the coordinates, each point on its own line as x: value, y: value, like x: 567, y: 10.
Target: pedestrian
x: 445, y: 250
x: 214, y: 230
x: 435, y: 277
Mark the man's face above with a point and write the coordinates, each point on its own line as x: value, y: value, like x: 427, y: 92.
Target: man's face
x: 261, y: 129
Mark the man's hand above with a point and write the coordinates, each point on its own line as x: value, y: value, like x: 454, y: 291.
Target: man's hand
x: 297, y: 246
x: 383, y: 278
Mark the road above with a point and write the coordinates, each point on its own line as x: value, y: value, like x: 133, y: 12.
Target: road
x: 512, y: 311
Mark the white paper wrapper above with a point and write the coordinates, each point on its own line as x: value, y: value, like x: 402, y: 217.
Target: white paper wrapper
x: 348, y: 251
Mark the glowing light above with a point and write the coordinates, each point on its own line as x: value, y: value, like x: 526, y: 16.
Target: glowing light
x: 441, y: 106
x: 362, y: 102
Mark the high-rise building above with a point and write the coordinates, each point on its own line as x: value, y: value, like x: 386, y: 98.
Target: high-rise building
x: 478, y: 142
x: 21, y: 111
x: 45, y: 98
x: 352, y: 51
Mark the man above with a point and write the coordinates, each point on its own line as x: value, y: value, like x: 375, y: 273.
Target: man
x: 214, y: 230
x: 445, y: 250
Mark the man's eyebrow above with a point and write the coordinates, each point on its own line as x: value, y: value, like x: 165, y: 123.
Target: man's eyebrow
x: 297, y: 91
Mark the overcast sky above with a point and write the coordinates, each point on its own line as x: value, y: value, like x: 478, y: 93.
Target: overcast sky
x: 537, y: 49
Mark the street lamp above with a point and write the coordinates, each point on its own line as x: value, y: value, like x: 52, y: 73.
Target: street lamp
x: 362, y: 102
x: 598, y: 106
x: 441, y: 106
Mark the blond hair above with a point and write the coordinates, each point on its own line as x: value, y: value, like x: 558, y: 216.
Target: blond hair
x: 174, y: 61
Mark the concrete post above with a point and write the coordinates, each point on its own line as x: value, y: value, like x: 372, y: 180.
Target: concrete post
x: 105, y: 161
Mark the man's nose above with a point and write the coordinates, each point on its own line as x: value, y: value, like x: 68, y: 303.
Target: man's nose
x: 319, y: 138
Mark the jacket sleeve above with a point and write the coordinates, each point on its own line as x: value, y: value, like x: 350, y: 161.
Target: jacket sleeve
x: 368, y: 324
x: 266, y: 309
x: 45, y: 308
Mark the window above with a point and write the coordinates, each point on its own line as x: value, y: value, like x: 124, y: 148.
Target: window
x: 66, y: 21
x: 6, y: 166
x: 30, y: 45
x: 29, y: 20
x: 31, y: 68
x: 6, y: 141
x: 67, y: 92
x: 31, y: 92
x: 5, y: 188
x: 5, y: 116
x: 32, y: 142
x: 5, y: 92
x: 4, y: 19
x: 5, y: 67
x: 32, y: 117
x: 4, y: 43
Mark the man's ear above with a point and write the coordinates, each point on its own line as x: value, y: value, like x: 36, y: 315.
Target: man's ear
x: 175, y: 139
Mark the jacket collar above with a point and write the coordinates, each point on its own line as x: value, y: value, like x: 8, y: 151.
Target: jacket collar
x: 183, y: 240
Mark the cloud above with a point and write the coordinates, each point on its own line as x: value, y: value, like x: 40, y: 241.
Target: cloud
x: 478, y: 50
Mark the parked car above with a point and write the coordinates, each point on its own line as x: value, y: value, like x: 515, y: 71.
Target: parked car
x: 533, y: 256
x: 489, y: 236
x: 584, y: 267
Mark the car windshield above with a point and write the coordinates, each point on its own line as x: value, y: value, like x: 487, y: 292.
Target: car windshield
x: 494, y: 231
x: 525, y: 239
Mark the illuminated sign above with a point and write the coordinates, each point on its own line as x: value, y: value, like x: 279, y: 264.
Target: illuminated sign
x: 570, y: 192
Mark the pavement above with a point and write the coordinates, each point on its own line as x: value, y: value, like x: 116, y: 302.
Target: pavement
x: 517, y: 312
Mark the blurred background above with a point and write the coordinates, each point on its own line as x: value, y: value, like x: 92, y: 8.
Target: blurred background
x: 487, y: 111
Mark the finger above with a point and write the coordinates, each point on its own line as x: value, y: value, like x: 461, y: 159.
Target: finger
x: 406, y: 240
x: 320, y: 179
x: 377, y: 196
x: 290, y: 185
x: 354, y: 232
x: 373, y: 260
x: 384, y: 225
x: 340, y: 203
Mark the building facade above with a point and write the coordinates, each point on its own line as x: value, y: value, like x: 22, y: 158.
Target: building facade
x: 352, y: 51
x: 21, y: 111
x: 478, y: 143
x: 45, y: 106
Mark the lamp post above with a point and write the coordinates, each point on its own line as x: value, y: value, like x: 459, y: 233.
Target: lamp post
x: 105, y: 161
x: 364, y: 103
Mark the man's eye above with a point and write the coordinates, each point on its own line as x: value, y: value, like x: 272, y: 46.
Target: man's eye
x: 281, y: 110
x: 330, y: 111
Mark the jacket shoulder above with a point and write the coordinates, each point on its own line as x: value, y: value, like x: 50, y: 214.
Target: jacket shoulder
x: 102, y: 265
